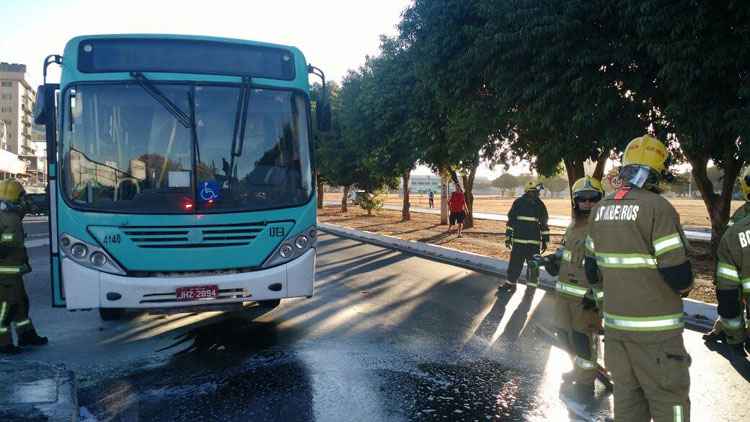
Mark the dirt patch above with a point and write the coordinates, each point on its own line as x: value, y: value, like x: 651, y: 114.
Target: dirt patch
x: 692, y: 211
x: 485, y: 238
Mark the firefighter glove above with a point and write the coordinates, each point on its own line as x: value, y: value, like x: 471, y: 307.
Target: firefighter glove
x: 587, y: 303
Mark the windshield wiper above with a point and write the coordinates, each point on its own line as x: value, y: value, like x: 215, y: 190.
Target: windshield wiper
x: 240, y: 117
x: 162, y: 99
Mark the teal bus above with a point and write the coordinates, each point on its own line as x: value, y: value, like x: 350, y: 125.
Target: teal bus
x: 180, y: 173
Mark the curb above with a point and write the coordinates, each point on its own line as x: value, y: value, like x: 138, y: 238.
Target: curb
x: 34, y: 390
x: 698, y: 315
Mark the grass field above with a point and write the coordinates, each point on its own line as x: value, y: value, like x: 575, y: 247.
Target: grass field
x: 692, y: 211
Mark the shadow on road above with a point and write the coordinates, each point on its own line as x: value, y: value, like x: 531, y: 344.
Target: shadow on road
x: 739, y: 362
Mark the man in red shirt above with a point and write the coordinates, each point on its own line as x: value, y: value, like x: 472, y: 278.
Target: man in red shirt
x: 457, y: 205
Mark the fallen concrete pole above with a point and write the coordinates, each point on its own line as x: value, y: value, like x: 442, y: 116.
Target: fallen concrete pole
x: 698, y: 315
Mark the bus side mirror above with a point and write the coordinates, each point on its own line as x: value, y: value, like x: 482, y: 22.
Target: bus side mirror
x: 44, y: 109
x: 323, y: 113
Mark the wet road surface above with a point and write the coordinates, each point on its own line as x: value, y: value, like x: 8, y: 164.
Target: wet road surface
x: 387, y: 336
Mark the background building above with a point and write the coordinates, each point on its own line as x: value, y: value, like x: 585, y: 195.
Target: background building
x: 19, y: 138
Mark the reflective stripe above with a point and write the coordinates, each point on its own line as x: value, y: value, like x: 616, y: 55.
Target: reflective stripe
x: 667, y: 243
x: 6, y: 237
x: 567, y: 256
x: 545, y: 232
x: 10, y: 270
x: 746, y: 285
x: 733, y: 324
x: 660, y: 323
x: 3, y: 330
x: 626, y: 260
x: 570, y: 289
x: 524, y: 218
x: 584, y: 364
x: 3, y: 309
x: 22, y: 323
x: 727, y: 271
x: 589, y: 244
x: 677, y: 413
x: 528, y: 242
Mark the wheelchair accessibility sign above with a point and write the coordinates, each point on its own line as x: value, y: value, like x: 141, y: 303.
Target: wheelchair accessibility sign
x: 209, y: 191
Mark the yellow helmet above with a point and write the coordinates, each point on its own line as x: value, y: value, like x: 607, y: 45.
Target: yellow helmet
x: 11, y: 191
x: 744, y: 181
x: 588, y: 186
x: 646, y: 151
x: 533, y: 185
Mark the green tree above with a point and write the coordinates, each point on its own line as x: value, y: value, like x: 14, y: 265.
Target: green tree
x: 327, y: 143
x: 555, y: 185
x: 505, y: 182
x: 692, y: 60
x: 458, y: 114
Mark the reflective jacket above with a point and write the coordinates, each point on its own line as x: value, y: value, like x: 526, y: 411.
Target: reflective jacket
x: 634, y: 237
x: 733, y: 270
x: 527, y: 221
x: 13, y: 257
x: 572, y: 283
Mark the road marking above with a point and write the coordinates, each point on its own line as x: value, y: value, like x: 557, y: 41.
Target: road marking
x: 35, y: 243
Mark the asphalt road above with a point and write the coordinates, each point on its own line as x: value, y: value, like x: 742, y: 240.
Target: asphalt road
x: 387, y: 336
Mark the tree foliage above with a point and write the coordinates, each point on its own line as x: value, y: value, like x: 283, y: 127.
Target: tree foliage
x: 498, y: 81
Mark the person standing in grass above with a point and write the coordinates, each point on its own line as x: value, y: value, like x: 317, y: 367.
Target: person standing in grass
x: 457, y: 205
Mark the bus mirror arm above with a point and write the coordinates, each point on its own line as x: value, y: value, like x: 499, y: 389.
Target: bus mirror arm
x: 323, y: 108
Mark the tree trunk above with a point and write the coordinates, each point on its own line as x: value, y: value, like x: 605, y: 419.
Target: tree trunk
x: 405, y: 214
x: 468, y: 181
x: 600, y: 164
x: 575, y: 171
x: 319, y: 182
x: 718, y: 205
x: 443, y: 199
x: 344, y: 199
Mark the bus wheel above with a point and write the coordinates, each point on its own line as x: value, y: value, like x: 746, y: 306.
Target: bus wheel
x: 111, y: 314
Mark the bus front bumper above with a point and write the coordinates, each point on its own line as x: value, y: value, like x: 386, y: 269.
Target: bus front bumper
x: 86, y: 288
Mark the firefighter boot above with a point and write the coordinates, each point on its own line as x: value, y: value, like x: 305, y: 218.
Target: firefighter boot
x: 31, y: 338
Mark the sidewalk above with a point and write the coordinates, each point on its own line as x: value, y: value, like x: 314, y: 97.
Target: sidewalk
x: 37, y: 391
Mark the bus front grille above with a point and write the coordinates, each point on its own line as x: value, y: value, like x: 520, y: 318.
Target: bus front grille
x: 192, y: 237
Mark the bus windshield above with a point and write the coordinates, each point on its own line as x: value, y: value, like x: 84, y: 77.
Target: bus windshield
x: 124, y: 151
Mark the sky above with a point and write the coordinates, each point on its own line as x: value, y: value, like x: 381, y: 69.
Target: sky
x: 334, y: 35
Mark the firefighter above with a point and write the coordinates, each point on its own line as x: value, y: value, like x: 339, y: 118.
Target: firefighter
x: 732, y: 277
x: 14, y: 263
x: 577, y: 316
x: 744, y: 210
x: 637, y: 251
x: 526, y: 232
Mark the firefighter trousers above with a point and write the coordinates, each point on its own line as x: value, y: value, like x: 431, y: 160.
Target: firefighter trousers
x: 520, y: 253
x: 579, y: 328
x: 652, y: 380
x: 14, y: 309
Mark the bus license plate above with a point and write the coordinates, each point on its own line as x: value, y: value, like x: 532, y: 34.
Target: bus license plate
x: 197, y: 293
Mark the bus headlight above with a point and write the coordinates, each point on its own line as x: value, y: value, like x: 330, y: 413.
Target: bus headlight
x: 301, y: 241
x: 286, y: 252
x: 88, y: 255
x: 98, y: 259
x: 79, y: 251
